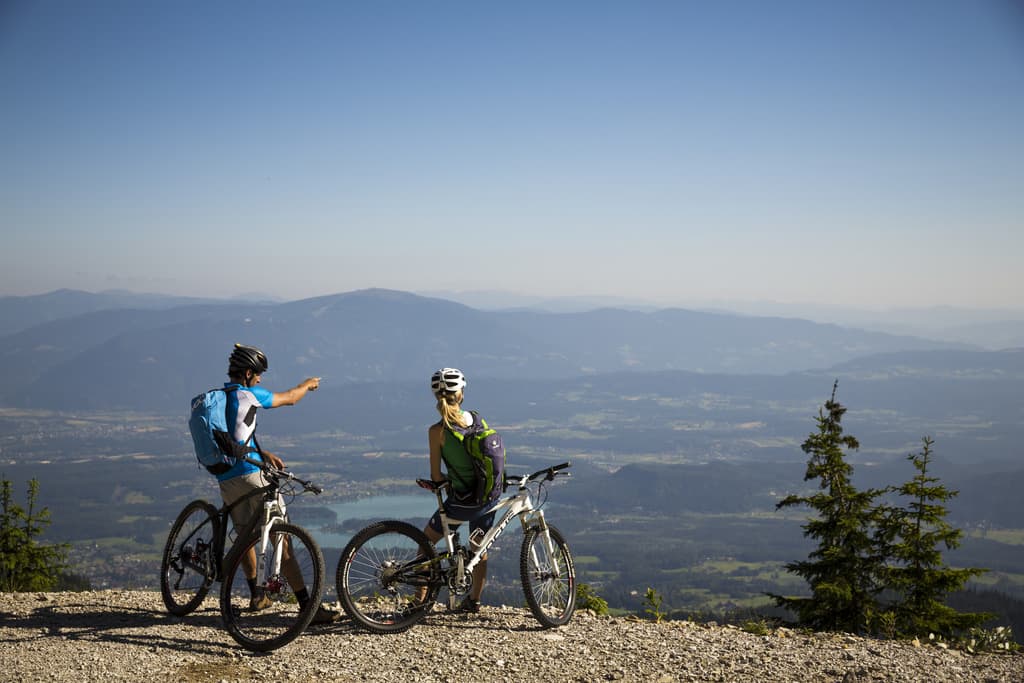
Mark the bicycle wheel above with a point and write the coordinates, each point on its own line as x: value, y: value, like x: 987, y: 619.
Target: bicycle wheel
x: 380, y: 572
x: 189, y: 564
x: 549, y: 578
x: 273, y: 617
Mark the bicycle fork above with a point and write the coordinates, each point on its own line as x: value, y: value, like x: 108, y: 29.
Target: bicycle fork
x: 270, y: 577
x: 550, y: 568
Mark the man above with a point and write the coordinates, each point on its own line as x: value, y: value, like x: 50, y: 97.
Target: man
x: 245, y: 370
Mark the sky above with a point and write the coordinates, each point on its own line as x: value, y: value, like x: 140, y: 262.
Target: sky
x: 863, y: 154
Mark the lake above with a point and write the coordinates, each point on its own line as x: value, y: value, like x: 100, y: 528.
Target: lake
x: 418, y: 507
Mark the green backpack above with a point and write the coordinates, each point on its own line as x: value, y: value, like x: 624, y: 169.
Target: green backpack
x: 487, y: 454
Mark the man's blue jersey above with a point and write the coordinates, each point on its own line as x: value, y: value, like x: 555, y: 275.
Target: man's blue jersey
x: 242, y: 406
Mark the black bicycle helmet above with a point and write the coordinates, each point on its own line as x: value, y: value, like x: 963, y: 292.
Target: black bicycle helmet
x: 246, y: 358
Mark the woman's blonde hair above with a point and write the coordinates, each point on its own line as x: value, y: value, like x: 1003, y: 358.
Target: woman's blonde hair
x: 450, y: 408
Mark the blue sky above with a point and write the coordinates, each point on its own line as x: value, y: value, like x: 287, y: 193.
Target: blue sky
x: 859, y: 154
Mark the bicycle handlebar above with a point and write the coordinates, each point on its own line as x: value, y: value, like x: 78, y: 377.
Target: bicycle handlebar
x: 274, y: 472
x: 548, y: 473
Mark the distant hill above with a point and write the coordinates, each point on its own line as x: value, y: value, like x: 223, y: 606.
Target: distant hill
x: 19, y: 313
x: 987, y: 328
x: 987, y: 498
x: 146, y: 359
x: 1008, y: 364
x: 713, y: 488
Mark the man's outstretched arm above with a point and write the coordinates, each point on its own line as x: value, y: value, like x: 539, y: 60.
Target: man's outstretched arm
x: 296, y: 393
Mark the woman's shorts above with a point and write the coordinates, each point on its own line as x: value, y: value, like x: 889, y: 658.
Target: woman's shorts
x: 478, y: 516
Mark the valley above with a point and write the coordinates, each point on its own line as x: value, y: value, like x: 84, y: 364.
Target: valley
x: 687, y: 508
x: 684, y: 430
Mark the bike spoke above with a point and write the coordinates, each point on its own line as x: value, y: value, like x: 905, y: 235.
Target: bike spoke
x: 189, y: 560
x: 548, y: 575
x: 273, y: 616
x: 381, y: 577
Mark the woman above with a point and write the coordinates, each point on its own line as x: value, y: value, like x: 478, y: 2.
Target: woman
x: 447, y: 385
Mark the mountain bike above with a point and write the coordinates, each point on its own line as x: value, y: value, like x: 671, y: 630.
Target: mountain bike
x: 386, y: 567
x: 286, y: 557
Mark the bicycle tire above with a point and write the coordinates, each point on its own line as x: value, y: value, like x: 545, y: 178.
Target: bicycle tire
x: 282, y: 620
x: 189, y: 564
x: 550, y: 594
x: 373, y: 589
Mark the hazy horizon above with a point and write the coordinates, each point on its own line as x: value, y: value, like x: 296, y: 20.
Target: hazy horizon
x: 495, y: 299
x: 796, y: 154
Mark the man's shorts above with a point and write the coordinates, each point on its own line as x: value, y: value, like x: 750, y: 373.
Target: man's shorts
x: 249, y: 512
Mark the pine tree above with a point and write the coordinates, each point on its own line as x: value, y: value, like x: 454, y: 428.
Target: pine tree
x: 917, y: 574
x: 26, y: 564
x: 843, y: 572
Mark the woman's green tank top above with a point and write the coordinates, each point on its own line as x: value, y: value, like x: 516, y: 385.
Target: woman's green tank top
x: 456, y: 460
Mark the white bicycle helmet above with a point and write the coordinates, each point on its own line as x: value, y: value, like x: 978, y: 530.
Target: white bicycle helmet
x: 447, y: 381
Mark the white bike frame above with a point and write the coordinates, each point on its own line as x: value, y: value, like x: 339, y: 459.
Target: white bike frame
x: 273, y: 511
x: 518, y: 505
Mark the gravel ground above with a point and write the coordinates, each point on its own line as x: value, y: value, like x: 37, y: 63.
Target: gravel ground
x: 127, y: 636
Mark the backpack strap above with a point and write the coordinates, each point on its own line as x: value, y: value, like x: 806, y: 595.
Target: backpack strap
x: 462, y: 439
x: 228, y: 446
x: 241, y: 450
x: 477, y: 418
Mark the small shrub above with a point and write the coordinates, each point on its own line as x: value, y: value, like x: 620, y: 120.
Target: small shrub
x: 25, y: 563
x: 586, y: 598
x: 978, y: 640
x: 653, y: 600
x: 758, y: 627
x: 886, y: 625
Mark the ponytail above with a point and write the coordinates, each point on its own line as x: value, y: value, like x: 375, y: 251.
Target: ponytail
x: 450, y: 408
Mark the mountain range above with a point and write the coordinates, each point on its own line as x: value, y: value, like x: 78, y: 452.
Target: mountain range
x: 142, y: 352
x: 988, y: 328
x: 671, y: 410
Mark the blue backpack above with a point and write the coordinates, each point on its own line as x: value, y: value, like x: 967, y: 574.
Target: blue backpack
x: 215, y: 449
